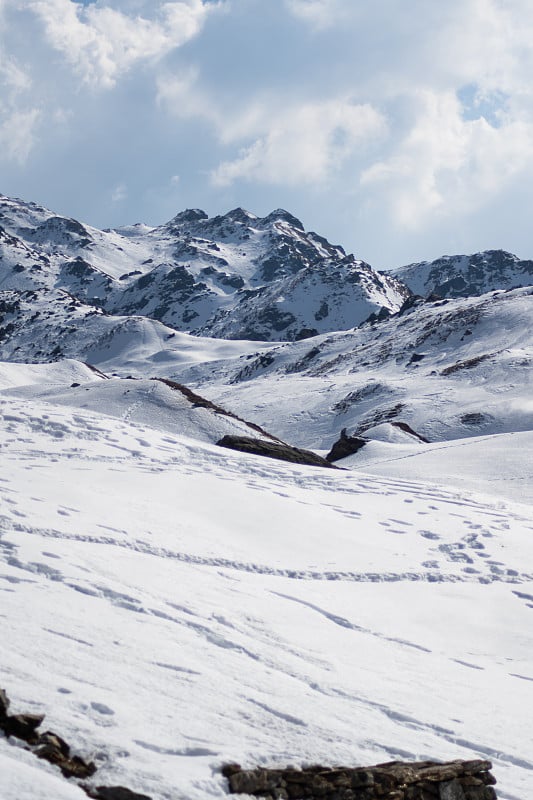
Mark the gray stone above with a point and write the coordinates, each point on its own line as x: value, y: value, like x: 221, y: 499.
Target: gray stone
x: 24, y: 726
x: 113, y: 793
x: 277, y: 450
x: 4, y: 704
x: 451, y: 790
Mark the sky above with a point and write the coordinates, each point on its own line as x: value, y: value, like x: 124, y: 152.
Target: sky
x: 401, y: 130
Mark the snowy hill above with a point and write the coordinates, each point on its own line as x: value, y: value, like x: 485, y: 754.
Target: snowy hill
x: 450, y: 369
x: 465, y: 276
x: 187, y: 609
x: 160, y: 403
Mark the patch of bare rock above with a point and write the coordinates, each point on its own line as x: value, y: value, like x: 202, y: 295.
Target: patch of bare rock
x: 395, y: 780
x: 52, y: 748
x: 277, y: 450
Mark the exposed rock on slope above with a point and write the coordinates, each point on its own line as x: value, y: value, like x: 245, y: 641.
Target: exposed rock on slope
x: 345, y: 446
x: 272, y: 449
x: 423, y: 780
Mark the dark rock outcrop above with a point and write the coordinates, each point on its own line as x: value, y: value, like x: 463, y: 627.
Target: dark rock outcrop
x: 395, y: 780
x: 277, y: 450
x: 345, y: 446
x: 23, y: 726
x: 113, y: 793
x: 406, y: 428
x: 52, y: 748
x: 48, y: 746
x: 4, y: 705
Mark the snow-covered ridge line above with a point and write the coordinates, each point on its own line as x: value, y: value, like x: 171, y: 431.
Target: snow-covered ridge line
x: 68, y: 290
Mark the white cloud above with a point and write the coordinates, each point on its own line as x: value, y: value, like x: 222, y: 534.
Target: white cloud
x: 396, y: 120
x: 119, y: 193
x: 448, y: 165
x: 283, y: 141
x: 17, y: 134
x: 320, y: 14
x: 303, y: 145
x: 102, y: 43
x: 183, y: 97
x: 17, y: 122
x: 12, y: 77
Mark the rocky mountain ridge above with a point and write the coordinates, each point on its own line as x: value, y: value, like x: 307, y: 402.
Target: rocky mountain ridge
x: 467, y: 275
x: 234, y: 276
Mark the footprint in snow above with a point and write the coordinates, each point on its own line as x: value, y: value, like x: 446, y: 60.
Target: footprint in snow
x: 429, y: 535
x: 467, y: 664
x: 101, y: 708
x: 185, y: 751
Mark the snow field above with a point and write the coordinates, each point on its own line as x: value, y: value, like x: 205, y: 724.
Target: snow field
x: 171, y: 606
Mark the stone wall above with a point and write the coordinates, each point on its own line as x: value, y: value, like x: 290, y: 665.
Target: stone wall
x: 423, y: 780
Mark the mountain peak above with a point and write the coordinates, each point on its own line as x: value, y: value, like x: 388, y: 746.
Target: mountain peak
x: 240, y: 214
x: 280, y: 214
x: 190, y: 215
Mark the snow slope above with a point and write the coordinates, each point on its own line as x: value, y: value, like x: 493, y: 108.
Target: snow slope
x: 450, y: 369
x: 163, y: 405
x: 171, y: 606
x: 500, y: 465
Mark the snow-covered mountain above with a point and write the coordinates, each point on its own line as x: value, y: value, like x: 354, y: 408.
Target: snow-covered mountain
x: 235, y: 276
x: 464, y: 276
x: 448, y: 368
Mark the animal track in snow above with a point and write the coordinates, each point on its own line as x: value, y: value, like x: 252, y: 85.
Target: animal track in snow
x: 184, y: 751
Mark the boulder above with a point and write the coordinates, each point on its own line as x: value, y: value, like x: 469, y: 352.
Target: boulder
x: 345, y: 446
x: 277, y: 450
